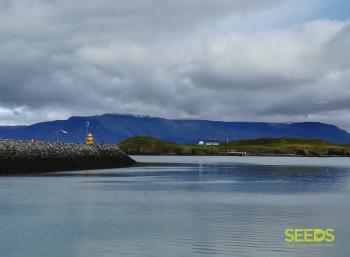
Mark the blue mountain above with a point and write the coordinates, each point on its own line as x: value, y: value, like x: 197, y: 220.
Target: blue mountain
x: 112, y: 128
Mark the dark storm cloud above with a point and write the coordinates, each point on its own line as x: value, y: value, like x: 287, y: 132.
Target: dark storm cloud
x: 199, y: 58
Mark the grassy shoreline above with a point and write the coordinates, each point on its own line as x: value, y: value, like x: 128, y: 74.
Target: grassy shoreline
x: 254, y: 147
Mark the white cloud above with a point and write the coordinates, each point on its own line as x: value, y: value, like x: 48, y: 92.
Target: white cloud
x: 192, y: 59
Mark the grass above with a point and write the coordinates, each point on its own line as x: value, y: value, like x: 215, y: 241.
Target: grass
x: 149, y: 145
x: 261, y: 146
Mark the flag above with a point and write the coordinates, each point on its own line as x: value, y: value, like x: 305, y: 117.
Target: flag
x: 63, y: 131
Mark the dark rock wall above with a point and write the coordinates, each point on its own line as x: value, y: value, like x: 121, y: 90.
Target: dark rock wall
x: 27, y: 157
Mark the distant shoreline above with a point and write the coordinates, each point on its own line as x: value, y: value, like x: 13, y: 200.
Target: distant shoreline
x: 248, y: 155
x: 277, y: 147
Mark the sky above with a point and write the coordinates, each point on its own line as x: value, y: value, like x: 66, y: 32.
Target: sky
x: 230, y: 60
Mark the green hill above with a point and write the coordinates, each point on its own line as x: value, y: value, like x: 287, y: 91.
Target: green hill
x: 287, y: 146
x: 149, y: 145
x: 261, y: 146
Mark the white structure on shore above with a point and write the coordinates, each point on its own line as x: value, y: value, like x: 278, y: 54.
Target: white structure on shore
x: 210, y: 142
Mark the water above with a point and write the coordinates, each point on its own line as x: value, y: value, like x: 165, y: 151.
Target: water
x: 178, y: 206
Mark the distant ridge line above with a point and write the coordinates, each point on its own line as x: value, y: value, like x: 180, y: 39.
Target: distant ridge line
x: 113, y: 128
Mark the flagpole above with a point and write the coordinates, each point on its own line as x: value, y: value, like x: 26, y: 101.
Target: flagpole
x: 87, y: 124
x: 58, y: 134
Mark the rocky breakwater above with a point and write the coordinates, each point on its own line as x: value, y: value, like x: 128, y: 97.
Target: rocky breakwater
x: 20, y: 157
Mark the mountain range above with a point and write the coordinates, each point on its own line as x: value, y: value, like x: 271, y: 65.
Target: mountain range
x: 113, y: 128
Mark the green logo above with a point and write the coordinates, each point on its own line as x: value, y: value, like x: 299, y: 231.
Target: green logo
x: 309, y: 236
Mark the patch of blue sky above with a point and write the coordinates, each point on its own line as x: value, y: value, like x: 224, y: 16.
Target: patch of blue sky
x: 288, y: 15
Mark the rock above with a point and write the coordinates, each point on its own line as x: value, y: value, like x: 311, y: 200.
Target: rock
x: 302, y: 152
x: 27, y: 157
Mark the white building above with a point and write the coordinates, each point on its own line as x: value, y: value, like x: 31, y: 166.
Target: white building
x: 212, y: 142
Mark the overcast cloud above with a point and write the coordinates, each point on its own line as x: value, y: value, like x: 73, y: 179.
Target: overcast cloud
x: 257, y: 60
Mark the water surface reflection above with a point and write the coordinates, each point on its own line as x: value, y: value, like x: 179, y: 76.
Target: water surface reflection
x: 177, y: 208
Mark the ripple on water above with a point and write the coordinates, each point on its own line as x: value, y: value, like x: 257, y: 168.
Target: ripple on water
x: 214, y: 209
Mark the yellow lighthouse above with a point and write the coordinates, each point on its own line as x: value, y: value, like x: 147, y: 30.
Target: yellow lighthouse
x: 89, y: 139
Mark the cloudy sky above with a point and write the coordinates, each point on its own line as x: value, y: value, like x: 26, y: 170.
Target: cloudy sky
x: 239, y: 60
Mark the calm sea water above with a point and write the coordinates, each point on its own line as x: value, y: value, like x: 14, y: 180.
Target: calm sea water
x: 178, y: 206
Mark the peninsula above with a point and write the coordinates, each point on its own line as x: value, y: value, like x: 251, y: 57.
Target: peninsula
x: 261, y: 146
x: 22, y: 157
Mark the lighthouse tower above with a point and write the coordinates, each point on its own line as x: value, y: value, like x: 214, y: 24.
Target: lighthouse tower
x: 89, y: 139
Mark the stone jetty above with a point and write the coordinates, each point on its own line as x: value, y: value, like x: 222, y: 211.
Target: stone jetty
x: 21, y: 157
